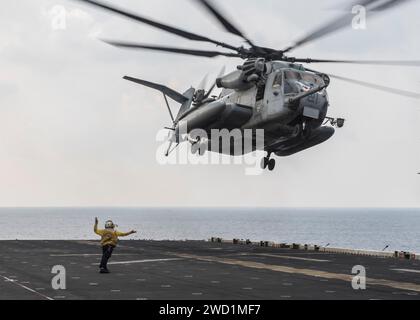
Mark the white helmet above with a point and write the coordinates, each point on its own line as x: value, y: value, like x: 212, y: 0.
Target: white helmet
x: 109, y: 224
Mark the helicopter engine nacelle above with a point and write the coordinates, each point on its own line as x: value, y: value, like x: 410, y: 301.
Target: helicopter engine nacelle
x: 245, y: 77
x: 236, y: 80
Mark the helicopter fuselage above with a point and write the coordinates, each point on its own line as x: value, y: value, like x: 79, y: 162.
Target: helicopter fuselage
x: 289, y: 103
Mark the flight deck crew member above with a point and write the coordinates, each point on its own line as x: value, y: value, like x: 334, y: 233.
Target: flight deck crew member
x: 109, y: 240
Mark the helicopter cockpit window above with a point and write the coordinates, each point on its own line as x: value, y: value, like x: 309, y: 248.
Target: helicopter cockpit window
x: 309, y: 78
x: 292, y: 75
x: 312, y: 79
x: 278, y: 80
x: 290, y: 79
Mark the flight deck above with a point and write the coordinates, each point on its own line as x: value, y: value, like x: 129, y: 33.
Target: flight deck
x: 198, y: 270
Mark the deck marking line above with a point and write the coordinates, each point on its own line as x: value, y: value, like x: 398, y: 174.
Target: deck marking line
x: 284, y: 257
x: 88, y: 254
x: 307, y: 272
x: 26, y: 288
x: 407, y: 270
x: 142, y: 261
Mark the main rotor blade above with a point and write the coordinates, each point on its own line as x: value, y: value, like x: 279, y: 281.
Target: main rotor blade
x: 199, y: 53
x: 379, y: 87
x: 158, y: 25
x: 224, y: 21
x: 407, y: 63
x: 374, y: 7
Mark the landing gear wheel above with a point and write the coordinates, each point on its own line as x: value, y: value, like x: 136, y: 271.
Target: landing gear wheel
x: 271, y: 164
x: 267, y: 162
x: 264, y: 163
x: 297, y: 130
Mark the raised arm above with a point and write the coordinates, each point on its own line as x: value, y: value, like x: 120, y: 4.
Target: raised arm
x: 125, y: 234
x: 95, y: 228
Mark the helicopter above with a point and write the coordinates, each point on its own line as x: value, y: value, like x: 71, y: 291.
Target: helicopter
x: 270, y: 90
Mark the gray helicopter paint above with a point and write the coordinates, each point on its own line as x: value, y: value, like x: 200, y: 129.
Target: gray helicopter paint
x: 273, y: 97
x: 245, y: 98
x: 203, y: 116
x: 311, y: 113
x: 274, y: 114
x: 234, y: 80
x: 233, y: 116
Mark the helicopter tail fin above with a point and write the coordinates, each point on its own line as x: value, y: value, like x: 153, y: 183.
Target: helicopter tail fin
x: 174, y: 95
x: 184, y: 99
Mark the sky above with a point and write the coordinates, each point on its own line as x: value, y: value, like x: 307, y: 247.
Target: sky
x: 74, y: 133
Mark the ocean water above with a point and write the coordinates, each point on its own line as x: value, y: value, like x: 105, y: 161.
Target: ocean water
x: 349, y: 228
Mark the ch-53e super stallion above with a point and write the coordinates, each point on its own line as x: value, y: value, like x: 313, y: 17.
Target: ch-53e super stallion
x: 269, y: 90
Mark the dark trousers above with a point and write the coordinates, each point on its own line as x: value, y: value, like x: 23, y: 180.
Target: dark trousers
x: 106, y: 254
